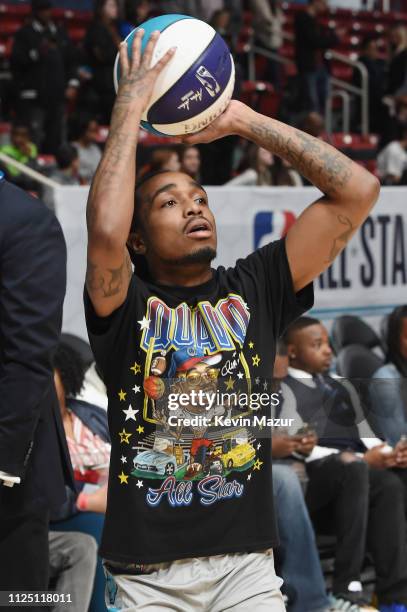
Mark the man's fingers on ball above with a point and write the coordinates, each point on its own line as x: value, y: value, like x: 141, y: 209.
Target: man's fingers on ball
x: 136, y: 49
x: 148, y: 53
x: 124, y: 59
x: 165, y: 59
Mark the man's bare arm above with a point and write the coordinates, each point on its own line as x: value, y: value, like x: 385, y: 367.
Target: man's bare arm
x: 110, y: 205
x: 325, y: 227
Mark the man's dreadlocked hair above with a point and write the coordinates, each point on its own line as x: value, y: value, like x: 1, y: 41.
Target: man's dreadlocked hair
x: 71, y: 369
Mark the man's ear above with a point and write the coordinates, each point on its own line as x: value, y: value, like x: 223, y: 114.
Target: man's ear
x: 291, y: 352
x: 136, y: 242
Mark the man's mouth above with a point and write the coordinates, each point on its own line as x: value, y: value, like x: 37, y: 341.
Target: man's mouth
x: 198, y: 228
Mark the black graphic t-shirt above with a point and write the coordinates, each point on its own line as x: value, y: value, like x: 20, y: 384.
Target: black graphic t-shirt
x: 189, y: 476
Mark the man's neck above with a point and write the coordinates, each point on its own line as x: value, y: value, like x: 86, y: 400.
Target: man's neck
x: 183, y: 276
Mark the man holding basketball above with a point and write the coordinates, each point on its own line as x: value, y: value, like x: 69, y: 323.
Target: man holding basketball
x: 202, y: 542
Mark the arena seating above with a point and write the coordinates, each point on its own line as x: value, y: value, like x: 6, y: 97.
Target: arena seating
x: 258, y: 93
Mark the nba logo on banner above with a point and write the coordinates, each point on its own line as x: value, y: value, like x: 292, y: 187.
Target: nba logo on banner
x: 269, y: 226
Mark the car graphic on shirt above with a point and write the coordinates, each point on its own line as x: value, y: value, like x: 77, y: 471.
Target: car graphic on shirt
x: 236, y: 453
x: 155, y: 462
x: 164, y: 459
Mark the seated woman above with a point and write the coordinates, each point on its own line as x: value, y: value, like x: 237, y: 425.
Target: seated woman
x: 388, y: 390
x: 88, y: 442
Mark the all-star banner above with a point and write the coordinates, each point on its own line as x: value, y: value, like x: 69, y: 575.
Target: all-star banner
x: 369, y: 279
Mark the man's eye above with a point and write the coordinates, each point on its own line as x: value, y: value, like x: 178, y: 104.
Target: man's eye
x: 201, y: 200
x: 169, y: 203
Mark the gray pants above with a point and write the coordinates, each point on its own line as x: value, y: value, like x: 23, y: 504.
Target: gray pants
x: 240, y: 581
x: 72, y: 559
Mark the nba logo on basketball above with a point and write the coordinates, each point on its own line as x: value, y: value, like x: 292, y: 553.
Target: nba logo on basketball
x: 269, y: 226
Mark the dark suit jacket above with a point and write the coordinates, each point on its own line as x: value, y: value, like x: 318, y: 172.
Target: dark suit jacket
x: 32, y: 290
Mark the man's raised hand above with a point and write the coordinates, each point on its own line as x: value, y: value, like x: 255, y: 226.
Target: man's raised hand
x: 137, y: 78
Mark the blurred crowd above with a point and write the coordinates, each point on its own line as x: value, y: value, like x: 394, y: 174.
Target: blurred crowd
x: 61, y: 94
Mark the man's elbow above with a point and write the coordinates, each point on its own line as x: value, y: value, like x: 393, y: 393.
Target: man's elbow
x: 368, y: 191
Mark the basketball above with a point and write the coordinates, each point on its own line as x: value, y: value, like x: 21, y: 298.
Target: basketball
x: 197, y: 84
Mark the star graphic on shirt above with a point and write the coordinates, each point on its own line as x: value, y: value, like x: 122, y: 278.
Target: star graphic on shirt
x: 257, y: 380
x: 251, y: 345
x: 256, y: 360
x: 123, y: 459
x: 249, y: 476
x: 257, y: 464
x: 258, y: 446
x: 229, y: 383
x: 130, y: 413
x: 240, y: 375
x: 122, y: 395
x: 265, y: 385
x: 144, y: 323
x: 136, y: 389
x: 123, y: 478
x: 136, y: 368
x: 139, y: 484
x: 124, y: 436
x: 140, y: 429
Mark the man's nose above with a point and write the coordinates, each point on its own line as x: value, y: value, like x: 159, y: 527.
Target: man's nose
x: 192, y: 208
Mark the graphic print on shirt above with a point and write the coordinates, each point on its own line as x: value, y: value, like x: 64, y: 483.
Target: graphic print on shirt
x: 189, y: 359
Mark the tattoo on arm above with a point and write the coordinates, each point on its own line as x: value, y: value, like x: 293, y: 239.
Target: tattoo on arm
x: 323, y: 165
x: 110, y: 281
x: 342, y: 239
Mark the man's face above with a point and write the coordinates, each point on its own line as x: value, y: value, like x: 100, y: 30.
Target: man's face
x: 19, y: 137
x: 191, y: 161
x: 309, y: 349
x: 44, y: 15
x: 178, y: 226
x: 320, y: 6
x: 92, y: 132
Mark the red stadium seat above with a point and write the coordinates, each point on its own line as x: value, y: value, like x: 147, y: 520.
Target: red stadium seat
x: 5, y: 47
x: 16, y: 10
x: 77, y: 34
x: 5, y: 128
x: 10, y: 26
x: 46, y: 161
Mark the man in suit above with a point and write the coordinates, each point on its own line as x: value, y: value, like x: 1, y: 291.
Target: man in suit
x: 34, y: 461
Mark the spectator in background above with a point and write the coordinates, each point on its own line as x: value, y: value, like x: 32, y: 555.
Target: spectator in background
x: 22, y: 150
x: 311, y: 40
x: 87, y: 131
x: 312, y: 123
x: 88, y: 441
x: 135, y: 13
x: 388, y: 391
x: 191, y: 162
x: 264, y: 169
x: 66, y: 172
x: 351, y: 488
x: 164, y: 158
x: 101, y: 44
x: 268, y: 20
x: 67, y: 159
x: 297, y: 547
x: 397, y: 71
x: 42, y: 61
x: 72, y: 563
x: 376, y: 69
x: 34, y: 460
x: 392, y: 161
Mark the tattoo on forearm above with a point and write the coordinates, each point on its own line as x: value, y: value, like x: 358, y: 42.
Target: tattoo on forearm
x: 107, y: 282
x: 325, y: 167
x: 342, y: 239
